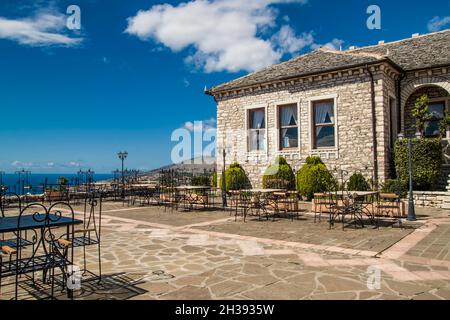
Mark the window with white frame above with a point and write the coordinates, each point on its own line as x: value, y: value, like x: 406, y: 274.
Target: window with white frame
x: 288, y: 126
x: 257, y: 129
x: 324, y: 125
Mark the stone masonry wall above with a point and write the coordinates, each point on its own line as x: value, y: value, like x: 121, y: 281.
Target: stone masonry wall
x: 354, y: 151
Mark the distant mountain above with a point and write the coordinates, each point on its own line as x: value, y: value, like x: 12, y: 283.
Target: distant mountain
x: 195, y: 165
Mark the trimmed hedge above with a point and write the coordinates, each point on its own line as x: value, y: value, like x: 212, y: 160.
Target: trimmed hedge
x: 426, y: 158
x: 395, y: 186
x: 357, y: 182
x: 214, y: 180
x: 200, y: 180
x: 236, y: 178
x: 314, y: 177
x: 279, y: 175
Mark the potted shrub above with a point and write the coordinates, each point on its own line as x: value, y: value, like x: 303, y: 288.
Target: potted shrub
x: 236, y: 178
x: 279, y: 175
x: 421, y: 113
x: 314, y: 177
x: 357, y: 182
x: 445, y: 125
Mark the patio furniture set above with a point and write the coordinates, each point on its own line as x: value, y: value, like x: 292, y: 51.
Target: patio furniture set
x: 46, y: 238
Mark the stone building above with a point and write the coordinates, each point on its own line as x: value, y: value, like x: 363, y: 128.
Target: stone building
x: 347, y: 107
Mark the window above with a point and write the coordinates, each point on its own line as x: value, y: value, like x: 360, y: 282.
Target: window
x: 436, y: 112
x: 324, y: 124
x: 257, y: 129
x: 288, y: 122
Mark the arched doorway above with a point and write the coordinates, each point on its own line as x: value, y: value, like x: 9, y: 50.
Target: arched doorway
x: 439, y: 101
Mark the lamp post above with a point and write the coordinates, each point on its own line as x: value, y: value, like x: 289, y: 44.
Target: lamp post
x: 26, y: 184
x: 411, y: 208
x: 224, y: 182
x: 1, y: 178
x: 122, y: 156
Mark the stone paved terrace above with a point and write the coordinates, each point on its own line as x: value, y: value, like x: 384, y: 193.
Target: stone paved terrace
x: 152, y: 253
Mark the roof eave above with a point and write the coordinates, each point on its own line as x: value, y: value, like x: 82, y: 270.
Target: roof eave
x: 214, y: 92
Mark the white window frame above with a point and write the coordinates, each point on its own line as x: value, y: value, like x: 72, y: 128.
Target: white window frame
x: 278, y: 106
x: 247, y: 110
x: 311, y: 102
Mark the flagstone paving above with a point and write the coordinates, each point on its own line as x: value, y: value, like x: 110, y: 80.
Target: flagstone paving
x: 150, y: 253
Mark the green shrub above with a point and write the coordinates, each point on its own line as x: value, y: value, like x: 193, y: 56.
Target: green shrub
x: 357, y: 182
x: 314, y: 177
x: 420, y: 112
x: 214, y: 180
x: 201, y: 181
x: 236, y: 178
x: 426, y: 158
x: 279, y: 175
x: 395, y: 186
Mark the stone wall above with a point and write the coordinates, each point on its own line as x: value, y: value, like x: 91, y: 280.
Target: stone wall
x: 351, y: 90
x: 434, y: 199
x: 354, y: 151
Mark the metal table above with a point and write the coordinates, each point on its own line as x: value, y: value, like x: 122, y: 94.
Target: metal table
x: 40, y: 222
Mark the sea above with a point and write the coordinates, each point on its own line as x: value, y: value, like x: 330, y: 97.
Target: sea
x: 36, y: 181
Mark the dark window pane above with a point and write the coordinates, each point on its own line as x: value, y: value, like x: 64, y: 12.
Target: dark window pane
x: 432, y: 128
x: 325, y: 137
x: 289, y: 138
x: 436, y: 110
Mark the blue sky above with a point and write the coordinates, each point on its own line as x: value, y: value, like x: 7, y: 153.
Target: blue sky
x: 126, y: 81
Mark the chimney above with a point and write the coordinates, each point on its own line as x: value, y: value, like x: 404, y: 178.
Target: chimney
x: 415, y: 35
x: 381, y: 42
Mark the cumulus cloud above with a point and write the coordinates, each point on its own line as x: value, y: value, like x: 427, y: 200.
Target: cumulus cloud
x: 198, y: 126
x: 45, y: 28
x: 47, y: 165
x: 334, y: 44
x: 226, y: 34
x: 438, y: 23
x: 288, y: 42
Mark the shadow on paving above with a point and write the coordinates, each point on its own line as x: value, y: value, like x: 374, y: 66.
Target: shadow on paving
x: 117, y: 286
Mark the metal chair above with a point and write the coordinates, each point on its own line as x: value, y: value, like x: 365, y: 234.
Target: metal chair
x: 90, y: 234
x: 44, y: 254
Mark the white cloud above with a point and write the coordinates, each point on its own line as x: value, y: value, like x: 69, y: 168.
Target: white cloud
x: 334, y: 44
x: 46, y: 28
x: 225, y: 34
x: 287, y: 41
x: 438, y: 23
x: 198, y: 126
x: 47, y: 165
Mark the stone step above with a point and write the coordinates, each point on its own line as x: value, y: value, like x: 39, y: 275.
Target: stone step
x: 445, y: 206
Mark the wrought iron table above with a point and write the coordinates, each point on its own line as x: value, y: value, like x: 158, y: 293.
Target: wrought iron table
x: 37, y: 221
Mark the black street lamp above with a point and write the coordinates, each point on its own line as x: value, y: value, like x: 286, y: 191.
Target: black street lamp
x: 1, y: 178
x: 411, y: 208
x: 122, y: 156
x: 224, y: 182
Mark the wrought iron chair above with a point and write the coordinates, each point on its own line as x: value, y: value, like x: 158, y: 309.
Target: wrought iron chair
x: 11, y: 204
x: 44, y: 255
x: 90, y: 234
x: 287, y: 203
x: 390, y: 204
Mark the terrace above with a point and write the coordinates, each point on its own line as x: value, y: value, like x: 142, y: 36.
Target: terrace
x: 156, y: 248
